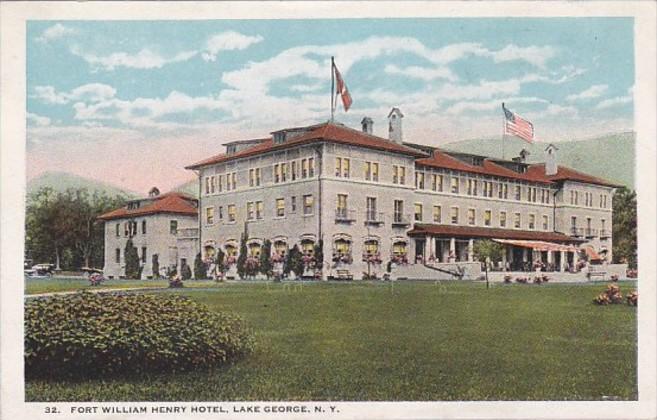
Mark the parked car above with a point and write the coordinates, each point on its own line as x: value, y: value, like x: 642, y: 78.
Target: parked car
x: 40, y: 270
x: 89, y: 271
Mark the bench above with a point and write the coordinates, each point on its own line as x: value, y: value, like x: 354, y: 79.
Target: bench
x: 601, y: 274
x: 343, y: 275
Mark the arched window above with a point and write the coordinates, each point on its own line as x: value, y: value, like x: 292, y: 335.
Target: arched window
x: 371, y: 247
x: 307, y: 247
x: 231, y: 250
x: 342, y: 246
x: 280, y: 247
x: 399, y: 249
x: 209, y: 252
x: 254, y: 249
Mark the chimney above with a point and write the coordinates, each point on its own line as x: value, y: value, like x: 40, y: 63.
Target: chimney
x: 551, y: 166
x: 367, y: 125
x: 395, y: 125
x: 154, y: 192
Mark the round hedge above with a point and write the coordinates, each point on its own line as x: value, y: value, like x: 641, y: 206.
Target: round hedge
x: 91, y: 334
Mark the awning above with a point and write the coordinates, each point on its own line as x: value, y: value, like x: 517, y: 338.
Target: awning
x: 593, y: 256
x: 474, y: 232
x: 538, y: 245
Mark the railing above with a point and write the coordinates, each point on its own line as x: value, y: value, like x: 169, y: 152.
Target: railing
x: 604, y: 234
x: 401, y: 219
x: 591, y: 233
x: 188, y: 233
x: 574, y: 231
x: 345, y: 215
x: 373, y: 218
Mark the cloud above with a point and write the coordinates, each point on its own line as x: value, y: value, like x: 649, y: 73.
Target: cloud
x: 37, y: 120
x: 619, y: 100
x: 594, y: 91
x: 144, y: 59
x: 535, y: 55
x: 422, y: 73
x: 54, y: 32
x: 461, y: 107
x: 227, y: 41
x: 554, y: 109
x: 91, y: 92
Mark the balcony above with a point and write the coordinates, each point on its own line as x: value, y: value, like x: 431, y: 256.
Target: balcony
x: 345, y: 216
x: 604, y: 234
x: 576, y: 232
x: 373, y: 218
x: 401, y: 220
x: 187, y: 233
x: 591, y: 233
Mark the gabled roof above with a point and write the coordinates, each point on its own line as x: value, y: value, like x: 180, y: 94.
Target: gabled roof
x: 443, y: 160
x: 330, y: 132
x: 568, y: 174
x: 421, y: 229
x: 172, y: 202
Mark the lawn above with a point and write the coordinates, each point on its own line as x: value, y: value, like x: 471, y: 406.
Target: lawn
x: 420, y: 341
x: 69, y: 284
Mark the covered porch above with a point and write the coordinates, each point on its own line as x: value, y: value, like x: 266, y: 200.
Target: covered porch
x: 523, y: 250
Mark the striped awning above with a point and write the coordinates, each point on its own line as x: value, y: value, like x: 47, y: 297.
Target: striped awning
x: 538, y: 245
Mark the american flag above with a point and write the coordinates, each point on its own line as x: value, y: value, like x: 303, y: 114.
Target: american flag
x: 515, y: 125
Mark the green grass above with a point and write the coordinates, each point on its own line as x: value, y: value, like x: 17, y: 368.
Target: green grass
x: 422, y: 341
x: 69, y: 284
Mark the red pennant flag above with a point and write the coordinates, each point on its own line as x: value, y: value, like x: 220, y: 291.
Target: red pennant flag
x: 341, y: 89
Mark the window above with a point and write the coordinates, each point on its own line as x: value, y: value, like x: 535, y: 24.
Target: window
x: 419, y: 180
x: 502, y: 219
x: 573, y: 222
x: 472, y: 217
x: 232, y: 213
x: 294, y: 170
x: 418, y: 212
x: 277, y: 173
x: 602, y: 227
x: 454, y: 215
x: 143, y: 227
x: 257, y: 177
x: 346, y: 166
x: 209, y: 215
x: 370, y: 205
x: 398, y: 174
x: 454, y: 185
x: 118, y: 230
x: 532, y: 221
x: 308, y: 204
x: 402, y: 175
x: 207, y: 185
x: 436, y: 182
x: 251, y: 177
x: 503, y: 191
x: 117, y: 255
x: 126, y: 229
x: 574, y: 197
x: 437, y: 214
x: 133, y: 228
x: 220, y: 183
x: 488, y: 216
x: 293, y: 204
x: 231, y: 181
x: 342, y: 205
x: 250, y: 210
x: 311, y: 167
x: 342, y: 247
x: 213, y: 184
x: 304, y: 168
x: 260, y: 210
x: 517, y: 222
x: 221, y: 212
x: 173, y: 227
x: 342, y: 167
x: 143, y: 254
x: 398, y: 206
x: 371, y: 247
x: 371, y: 171
x: 487, y: 189
x: 472, y: 187
x: 283, y: 172
x: 307, y: 247
x: 518, y: 194
x: 399, y: 249
x: 280, y: 207
x: 546, y: 222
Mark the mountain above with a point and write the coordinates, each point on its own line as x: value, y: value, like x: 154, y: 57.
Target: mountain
x: 189, y: 187
x: 610, y: 156
x: 61, y: 181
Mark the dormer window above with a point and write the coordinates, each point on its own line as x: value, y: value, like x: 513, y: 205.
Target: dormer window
x: 279, y: 137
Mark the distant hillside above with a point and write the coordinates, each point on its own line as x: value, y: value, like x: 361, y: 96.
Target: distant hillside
x: 61, y: 181
x: 189, y: 187
x: 610, y: 157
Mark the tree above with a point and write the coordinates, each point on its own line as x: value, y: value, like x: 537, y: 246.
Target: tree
x: 185, y: 271
x: 488, y: 251
x: 241, y: 258
x: 293, y: 262
x: 624, y: 227
x: 156, y: 266
x: 266, y: 266
x: 132, y: 269
x: 200, y: 268
x: 319, y: 254
x: 220, y: 261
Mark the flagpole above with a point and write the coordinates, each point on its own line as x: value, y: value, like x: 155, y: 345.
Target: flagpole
x: 503, y: 130
x: 332, y: 87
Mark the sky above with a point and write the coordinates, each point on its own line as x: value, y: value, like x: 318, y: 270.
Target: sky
x: 132, y: 102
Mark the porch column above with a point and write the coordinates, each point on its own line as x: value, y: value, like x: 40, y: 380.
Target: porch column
x: 524, y: 255
x: 452, y: 249
x: 550, y: 258
x: 427, y: 248
x: 564, y: 261
x: 470, y: 250
x: 575, y: 258
x: 504, y: 258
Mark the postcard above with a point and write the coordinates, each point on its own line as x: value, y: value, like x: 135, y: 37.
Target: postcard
x: 339, y: 210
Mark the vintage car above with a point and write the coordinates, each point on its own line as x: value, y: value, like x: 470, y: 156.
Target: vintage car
x: 40, y: 270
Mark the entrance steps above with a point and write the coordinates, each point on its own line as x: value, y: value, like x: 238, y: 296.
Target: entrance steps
x: 438, y: 271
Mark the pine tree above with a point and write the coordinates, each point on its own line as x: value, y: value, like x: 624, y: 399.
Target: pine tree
x: 294, y: 262
x: 266, y: 266
x: 185, y: 271
x: 241, y: 258
x: 200, y: 268
x: 131, y: 260
x: 319, y: 254
x: 220, y: 261
x: 156, y: 266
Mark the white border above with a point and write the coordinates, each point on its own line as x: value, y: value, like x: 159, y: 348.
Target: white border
x: 12, y: 182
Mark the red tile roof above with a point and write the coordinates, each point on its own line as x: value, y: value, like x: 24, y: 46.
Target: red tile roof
x: 443, y: 160
x: 567, y: 174
x: 172, y: 202
x: 323, y: 132
x: 481, y: 232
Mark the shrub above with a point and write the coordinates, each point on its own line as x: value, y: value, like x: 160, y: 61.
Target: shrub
x: 633, y: 298
x: 611, y: 295
x: 94, y: 334
x: 96, y: 279
x: 176, y: 283
x: 507, y: 278
x: 156, y: 266
x: 132, y: 269
x: 185, y: 271
x: 200, y: 268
